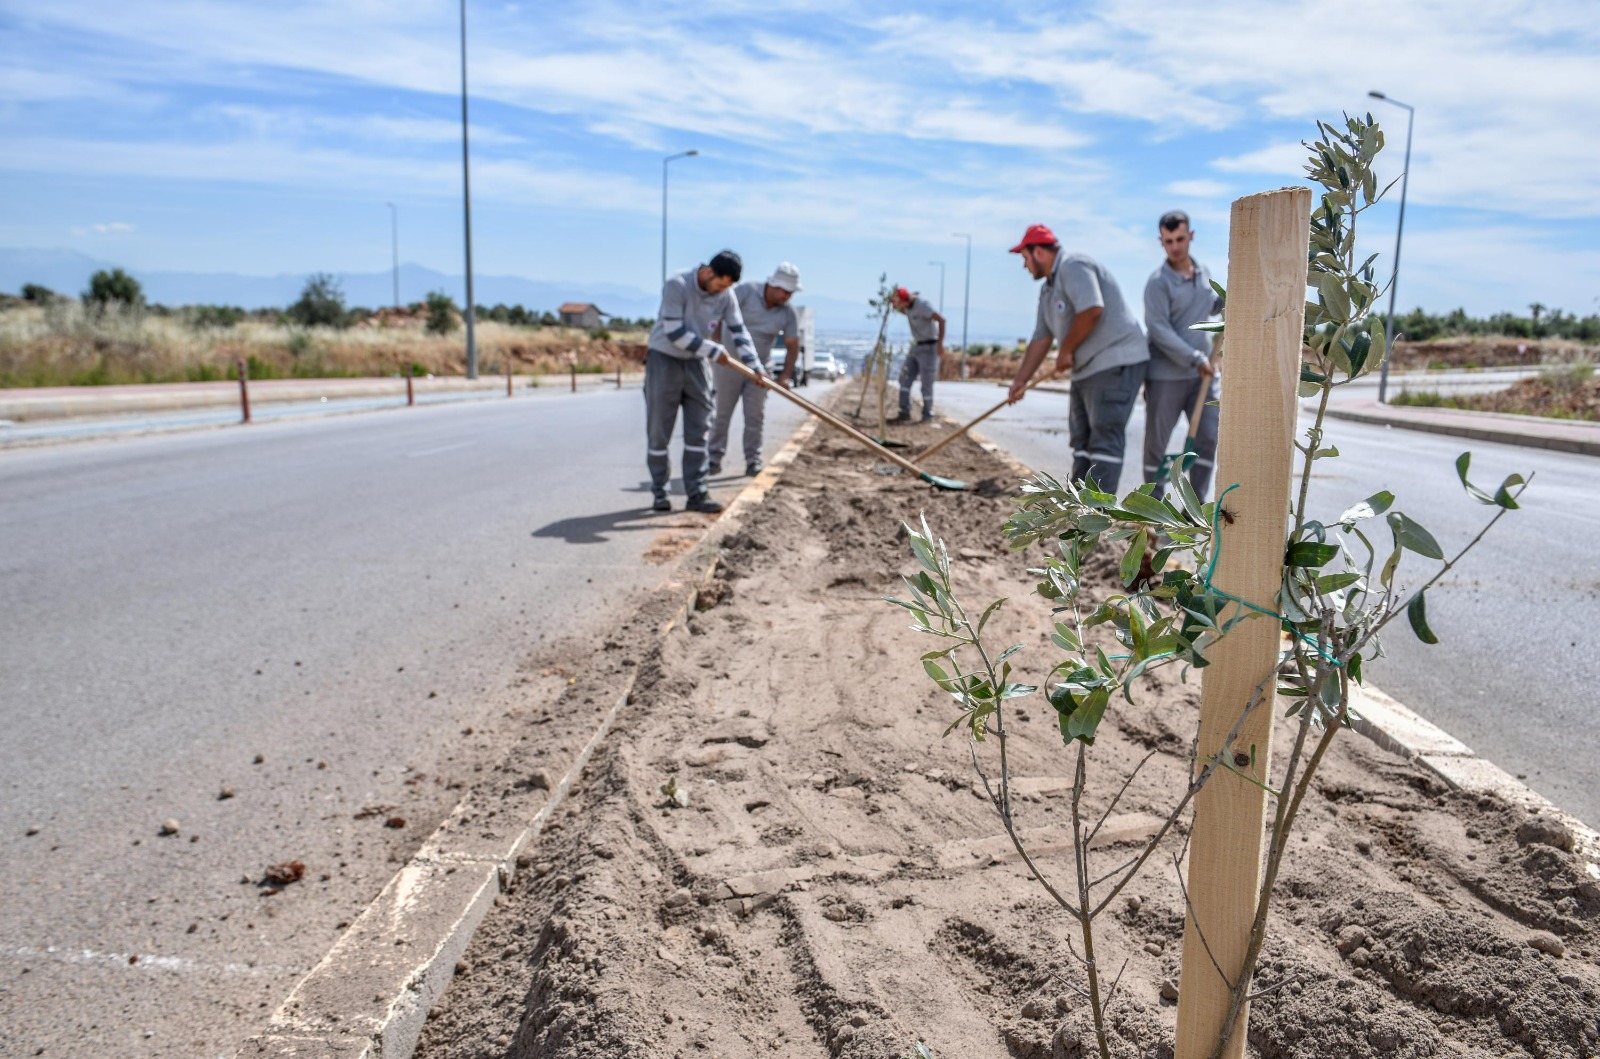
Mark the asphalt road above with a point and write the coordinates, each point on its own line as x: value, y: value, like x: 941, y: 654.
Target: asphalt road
x: 312, y: 613
x: 1515, y: 672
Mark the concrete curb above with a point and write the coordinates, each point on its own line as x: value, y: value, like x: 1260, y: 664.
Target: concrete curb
x: 1403, y: 731
x: 1482, y: 426
x: 370, y: 995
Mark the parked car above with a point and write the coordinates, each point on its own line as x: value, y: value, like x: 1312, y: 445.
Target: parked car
x: 824, y: 366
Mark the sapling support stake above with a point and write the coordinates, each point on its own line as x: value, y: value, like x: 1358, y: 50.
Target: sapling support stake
x: 870, y: 365
x: 1266, y: 320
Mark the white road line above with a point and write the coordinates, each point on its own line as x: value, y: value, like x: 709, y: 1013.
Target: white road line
x: 441, y: 448
x: 145, y: 962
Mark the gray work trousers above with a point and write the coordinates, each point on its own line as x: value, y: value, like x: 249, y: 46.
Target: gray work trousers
x: 921, y: 360
x: 1097, y: 420
x: 1165, y: 401
x: 671, y: 383
x: 734, y: 389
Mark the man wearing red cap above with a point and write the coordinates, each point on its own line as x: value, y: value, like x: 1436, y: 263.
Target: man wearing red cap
x: 927, y: 346
x: 1101, y: 342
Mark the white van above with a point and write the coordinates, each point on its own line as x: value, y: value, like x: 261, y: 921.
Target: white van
x: 824, y: 366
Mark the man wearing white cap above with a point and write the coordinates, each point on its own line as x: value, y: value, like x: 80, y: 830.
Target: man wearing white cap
x: 767, y: 314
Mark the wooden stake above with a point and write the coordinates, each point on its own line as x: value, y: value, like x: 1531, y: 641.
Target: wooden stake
x: 883, y: 392
x: 1266, y: 312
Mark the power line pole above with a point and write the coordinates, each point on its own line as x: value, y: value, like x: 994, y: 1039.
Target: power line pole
x: 394, y: 239
x: 966, y: 299
x: 664, y: 161
x: 1394, y: 279
x: 466, y: 203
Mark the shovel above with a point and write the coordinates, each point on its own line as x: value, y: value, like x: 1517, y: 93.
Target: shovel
x: 942, y: 442
x: 838, y: 424
x: 1172, y: 462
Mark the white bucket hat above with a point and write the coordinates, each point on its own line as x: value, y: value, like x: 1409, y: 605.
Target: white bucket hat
x: 786, y: 277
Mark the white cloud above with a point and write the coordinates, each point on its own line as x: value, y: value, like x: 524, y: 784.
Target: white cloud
x: 113, y: 228
x: 299, y: 123
x: 1199, y: 189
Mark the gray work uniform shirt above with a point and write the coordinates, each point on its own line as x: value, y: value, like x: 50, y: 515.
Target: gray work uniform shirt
x: 920, y: 315
x: 688, y: 315
x: 765, y: 322
x: 1172, y: 303
x: 1079, y: 282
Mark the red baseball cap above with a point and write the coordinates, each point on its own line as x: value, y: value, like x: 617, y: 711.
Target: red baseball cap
x: 1036, y: 235
x: 902, y: 294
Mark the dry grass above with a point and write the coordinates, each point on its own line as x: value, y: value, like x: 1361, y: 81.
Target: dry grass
x: 65, y: 345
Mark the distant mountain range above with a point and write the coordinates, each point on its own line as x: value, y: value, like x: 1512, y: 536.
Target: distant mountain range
x: 68, y: 272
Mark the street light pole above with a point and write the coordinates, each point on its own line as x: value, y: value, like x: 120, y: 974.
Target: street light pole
x: 394, y: 242
x: 664, y: 161
x: 966, y: 299
x: 1399, y: 230
x: 941, y: 285
x: 466, y: 203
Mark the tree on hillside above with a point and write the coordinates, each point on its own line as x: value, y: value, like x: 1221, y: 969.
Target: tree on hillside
x: 39, y: 295
x: 321, y: 303
x: 441, y: 313
x: 113, y: 287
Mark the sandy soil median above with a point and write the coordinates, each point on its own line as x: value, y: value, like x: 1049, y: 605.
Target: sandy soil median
x: 837, y: 884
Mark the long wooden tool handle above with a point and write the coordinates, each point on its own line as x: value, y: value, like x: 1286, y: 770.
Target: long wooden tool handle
x: 827, y: 417
x: 1200, y: 405
x: 942, y: 442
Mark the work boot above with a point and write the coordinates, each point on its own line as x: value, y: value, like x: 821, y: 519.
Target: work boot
x: 927, y: 417
x: 716, y: 466
x: 661, y: 504
x: 752, y: 468
x: 703, y: 503
x: 901, y: 417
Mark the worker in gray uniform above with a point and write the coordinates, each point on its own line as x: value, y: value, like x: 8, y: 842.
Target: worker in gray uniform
x: 1082, y: 308
x: 922, y: 359
x: 1178, y: 295
x: 677, y: 371
x: 767, y: 314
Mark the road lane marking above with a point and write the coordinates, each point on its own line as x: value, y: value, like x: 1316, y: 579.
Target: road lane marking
x: 441, y: 448
x: 146, y: 962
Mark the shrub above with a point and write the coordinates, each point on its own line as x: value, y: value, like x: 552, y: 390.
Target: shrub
x: 1568, y: 378
x: 33, y: 292
x: 220, y: 316
x: 113, y: 287
x: 321, y: 303
x: 441, y: 313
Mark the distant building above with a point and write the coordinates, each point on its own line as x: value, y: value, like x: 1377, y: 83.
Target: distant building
x: 581, y: 314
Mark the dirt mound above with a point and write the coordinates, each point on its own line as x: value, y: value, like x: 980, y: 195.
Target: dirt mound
x: 774, y: 853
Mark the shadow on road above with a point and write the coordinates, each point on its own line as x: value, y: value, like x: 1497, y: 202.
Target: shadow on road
x: 595, y: 529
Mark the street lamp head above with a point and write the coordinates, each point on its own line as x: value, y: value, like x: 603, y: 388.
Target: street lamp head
x: 1377, y: 95
x: 690, y: 154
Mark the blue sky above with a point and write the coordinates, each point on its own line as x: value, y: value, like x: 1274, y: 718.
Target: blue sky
x: 852, y: 139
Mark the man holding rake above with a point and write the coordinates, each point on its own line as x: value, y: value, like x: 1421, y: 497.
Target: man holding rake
x: 677, y: 371
x: 1101, y: 343
x: 767, y: 314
